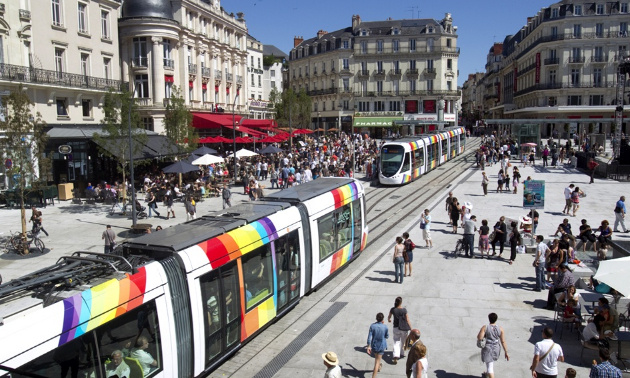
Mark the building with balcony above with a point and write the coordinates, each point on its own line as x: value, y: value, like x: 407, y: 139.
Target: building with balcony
x: 472, y: 96
x: 65, y: 55
x: 562, y: 65
x: 195, y: 45
x: 256, y: 106
x: 373, y: 73
x: 274, y: 69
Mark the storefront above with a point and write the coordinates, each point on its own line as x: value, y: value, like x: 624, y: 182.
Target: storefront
x: 376, y: 127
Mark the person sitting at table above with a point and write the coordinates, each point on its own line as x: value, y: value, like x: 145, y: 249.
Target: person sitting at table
x: 563, y: 282
x: 593, y: 333
x: 610, y: 314
x: 570, y: 312
x: 569, y: 293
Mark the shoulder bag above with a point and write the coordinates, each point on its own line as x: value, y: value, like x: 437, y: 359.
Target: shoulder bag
x: 482, y: 343
x: 546, y: 353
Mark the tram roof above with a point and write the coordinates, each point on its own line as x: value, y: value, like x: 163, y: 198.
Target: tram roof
x: 303, y: 193
x: 187, y: 234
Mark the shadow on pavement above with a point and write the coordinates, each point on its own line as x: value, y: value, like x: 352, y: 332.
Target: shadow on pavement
x: 538, y: 303
x: 380, y: 279
x: 13, y: 256
x: 85, y: 209
x: 354, y: 372
x: 449, y: 254
x: 519, y: 286
x: 385, y: 272
x: 446, y: 374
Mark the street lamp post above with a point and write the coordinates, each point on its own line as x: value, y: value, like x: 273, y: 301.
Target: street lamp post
x: 234, y: 134
x: 134, y: 215
x: 319, y: 123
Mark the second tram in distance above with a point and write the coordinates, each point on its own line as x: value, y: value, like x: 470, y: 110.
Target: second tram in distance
x: 406, y: 159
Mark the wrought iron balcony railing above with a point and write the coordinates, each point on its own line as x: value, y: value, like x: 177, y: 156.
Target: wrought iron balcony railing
x: 39, y: 76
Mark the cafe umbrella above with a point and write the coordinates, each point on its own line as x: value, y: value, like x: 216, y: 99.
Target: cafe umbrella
x: 614, y: 273
x: 180, y: 167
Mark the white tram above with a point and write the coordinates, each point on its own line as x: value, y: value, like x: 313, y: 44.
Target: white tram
x: 406, y: 159
x: 178, y: 302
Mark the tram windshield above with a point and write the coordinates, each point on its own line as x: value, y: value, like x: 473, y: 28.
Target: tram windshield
x: 391, y: 159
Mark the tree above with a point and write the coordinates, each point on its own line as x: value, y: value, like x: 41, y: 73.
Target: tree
x: 178, y: 123
x: 23, y: 141
x: 292, y: 109
x: 114, y: 141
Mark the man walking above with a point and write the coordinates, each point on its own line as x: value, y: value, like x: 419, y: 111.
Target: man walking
x: 539, y: 262
x: 605, y: 369
x: 546, y: 356
x: 469, y: 236
x: 226, y: 194
x: 567, y: 199
x: 285, y: 177
x: 620, y: 214
x: 110, y: 239
x: 412, y: 340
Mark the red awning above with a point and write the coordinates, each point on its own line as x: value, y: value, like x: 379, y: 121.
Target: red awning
x: 190, y: 84
x: 261, y: 123
x: 247, y: 130
x: 216, y: 89
x: 169, y: 79
x: 212, y: 120
x: 204, y: 86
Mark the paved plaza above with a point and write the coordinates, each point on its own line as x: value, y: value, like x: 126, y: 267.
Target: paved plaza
x: 448, y: 298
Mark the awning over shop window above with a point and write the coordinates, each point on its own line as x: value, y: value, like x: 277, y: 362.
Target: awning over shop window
x: 247, y: 130
x: 262, y: 123
x: 155, y: 146
x: 375, y: 121
x: 213, y: 121
x: 169, y: 79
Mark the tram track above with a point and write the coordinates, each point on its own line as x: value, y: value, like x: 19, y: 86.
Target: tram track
x: 408, y: 205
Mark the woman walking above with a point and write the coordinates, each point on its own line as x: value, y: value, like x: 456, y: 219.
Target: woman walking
x: 401, y: 328
x: 500, y: 181
x: 398, y: 260
x: 484, y: 241
x: 409, y: 246
x: 377, y: 342
x: 495, y: 338
x: 426, y: 229
x: 484, y: 183
x: 455, y: 210
x: 515, y: 240
x: 153, y: 203
x: 575, y: 199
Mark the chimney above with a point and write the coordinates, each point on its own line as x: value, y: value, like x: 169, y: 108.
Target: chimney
x: 321, y: 33
x: 356, y: 21
x: 297, y: 40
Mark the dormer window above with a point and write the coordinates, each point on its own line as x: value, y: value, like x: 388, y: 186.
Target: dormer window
x: 554, y: 13
x: 396, y: 31
x: 577, y: 10
x: 599, y: 9
x: 364, y: 32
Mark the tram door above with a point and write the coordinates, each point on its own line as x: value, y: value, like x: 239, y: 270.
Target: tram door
x: 406, y: 163
x: 288, y: 266
x: 220, y: 294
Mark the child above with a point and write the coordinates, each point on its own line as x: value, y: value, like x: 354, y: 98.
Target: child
x: 507, y: 181
x: 569, y: 312
x: 602, y: 251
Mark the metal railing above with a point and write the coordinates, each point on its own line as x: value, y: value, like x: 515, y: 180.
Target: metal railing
x: 412, y: 71
x: 205, y: 71
x: 576, y: 59
x: 218, y: 74
x: 228, y: 76
x: 426, y: 92
x: 550, y: 61
x: 141, y: 61
x: 39, y: 76
x: 192, y: 68
x: 599, y: 58
x: 169, y: 63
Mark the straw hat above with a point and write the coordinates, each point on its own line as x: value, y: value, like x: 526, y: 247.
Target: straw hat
x: 331, y: 358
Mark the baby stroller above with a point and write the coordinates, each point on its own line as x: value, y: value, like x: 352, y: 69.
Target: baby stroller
x: 140, y: 210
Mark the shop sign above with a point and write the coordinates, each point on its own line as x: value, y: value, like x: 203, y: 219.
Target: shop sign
x: 65, y: 149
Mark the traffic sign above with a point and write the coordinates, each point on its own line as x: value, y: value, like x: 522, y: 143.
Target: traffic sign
x: 8, y: 163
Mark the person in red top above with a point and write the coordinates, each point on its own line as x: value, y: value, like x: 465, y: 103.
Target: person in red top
x: 592, y: 164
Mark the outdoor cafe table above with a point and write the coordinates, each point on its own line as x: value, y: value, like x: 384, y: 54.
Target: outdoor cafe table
x: 592, y: 298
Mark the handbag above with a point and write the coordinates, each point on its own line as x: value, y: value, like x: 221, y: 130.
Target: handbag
x: 520, y: 249
x: 402, y: 323
x: 482, y: 343
x: 423, y: 225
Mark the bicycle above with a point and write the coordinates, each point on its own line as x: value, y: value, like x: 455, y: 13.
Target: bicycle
x: 460, y: 247
x: 19, y: 244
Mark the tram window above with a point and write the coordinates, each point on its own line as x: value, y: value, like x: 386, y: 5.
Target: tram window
x: 391, y: 158
x: 454, y: 144
x: 444, y: 147
x: 430, y: 150
x: 77, y: 357
x: 407, y: 163
x: 258, y: 276
x: 122, y: 344
x: 335, y: 231
x: 141, y: 344
x: 435, y: 151
x: 462, y: 139
x: 220, y: 303
x: 210, y: 290
x: 288, y: 265
x: 418, y: 160
x: 357, y: 216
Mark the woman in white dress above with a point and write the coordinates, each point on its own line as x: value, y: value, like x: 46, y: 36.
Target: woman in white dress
x: 420, y: 368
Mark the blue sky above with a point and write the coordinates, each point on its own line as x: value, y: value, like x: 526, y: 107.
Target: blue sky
x: 480, y: 23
